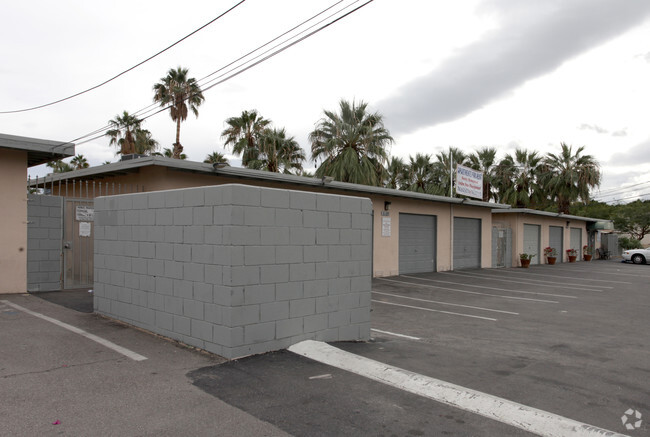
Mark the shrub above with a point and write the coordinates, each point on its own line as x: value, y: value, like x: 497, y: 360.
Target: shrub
x: 628, y: 243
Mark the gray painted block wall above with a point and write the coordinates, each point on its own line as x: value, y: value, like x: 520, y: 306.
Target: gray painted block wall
x: 235, y: 269
x: 44, y: 242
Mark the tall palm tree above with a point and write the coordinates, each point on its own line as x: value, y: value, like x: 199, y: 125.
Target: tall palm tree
x: 79, y: 162
x: 444, y: 168
x: 182, y: 94
x: 122, y: 132
x: 518, y: 179
x: 59, y: 166
x: 418, y: 174
x: 484, y: 160
x: 145, y: 144
x: 351, y: 144
x: 394, y: 177
x: 570, y: 176
x: 169, y: 153
x: 243, y: 133
x: 278, y: 153
x: 216, y: 158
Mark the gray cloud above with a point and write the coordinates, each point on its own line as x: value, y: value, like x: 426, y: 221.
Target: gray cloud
x: 620, y: 133
x: 639, y: 154
x: 533, y: 39
x: 593, y: 127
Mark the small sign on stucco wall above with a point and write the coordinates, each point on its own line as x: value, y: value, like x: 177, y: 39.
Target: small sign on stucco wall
x: 84, y: 229
x: 385, y: 226
x: 85, y: 213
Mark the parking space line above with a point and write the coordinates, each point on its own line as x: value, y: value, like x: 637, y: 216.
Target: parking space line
x: 605, y: 272
x: 521, y: 273
x: 122, y: 350
x: 528, y: 299
x: 539, y: 293
x: 503, y: 410
x: 445, y: 303
x: 435, y: 311
x: 395, y: 335
x: 535, y: 282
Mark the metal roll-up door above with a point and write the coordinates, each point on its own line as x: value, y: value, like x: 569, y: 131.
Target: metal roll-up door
x: 467, y: 243
x: 417, y: 243
x: 576, y: 241
x: 531, y: 242
x: 556, y: 240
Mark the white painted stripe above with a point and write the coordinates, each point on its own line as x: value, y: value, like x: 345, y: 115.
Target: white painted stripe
x: 539, y: 293
x: 395, y: 335
x: 468, y: 292
x: 444, y: 303
x: 606, y: 272
x: 522, y: 273
x: 488, y: 274
x: 512, y: 413
x: 434, y: 311
x: 536, y: 282
x: 124, y: 351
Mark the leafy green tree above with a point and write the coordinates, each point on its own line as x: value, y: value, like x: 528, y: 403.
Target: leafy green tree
x: 593, y: 209
x: 443, y: 168
x: 216, y: 158
x: 145, y: 144
x: 633, y: 218
x: 395, y: 172
x: 570, y: 176
x: 122, y: 132
x: 484, y: 160
x: 277, y: 153
x: 517, y: 179
x: 419, y: 174
x: 351, y: 144
x: 243, y: 135
x: 79, y: 162
x: 182, y: 94
x: 59, y: 166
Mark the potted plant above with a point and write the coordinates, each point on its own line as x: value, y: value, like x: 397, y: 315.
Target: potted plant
x: 587, y: 253
x: 524, y: 259
x: 572, y: 254
x: 551, y: 255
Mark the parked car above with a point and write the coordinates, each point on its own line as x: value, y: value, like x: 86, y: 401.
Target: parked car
x: 637, y: 256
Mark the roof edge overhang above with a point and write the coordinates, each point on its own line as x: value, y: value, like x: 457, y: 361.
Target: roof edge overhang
x: 39, y: 151
x: 548, y: 214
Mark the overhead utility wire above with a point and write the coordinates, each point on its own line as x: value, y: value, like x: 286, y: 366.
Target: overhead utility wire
x: 247, y: 68
x: 613, y: 191
x: 632, y: 197
x: 125, y: 71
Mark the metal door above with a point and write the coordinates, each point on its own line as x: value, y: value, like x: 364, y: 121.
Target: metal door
x: 531, y: 242
x: 576, y: 241
x: 501, y: 247
x: 467, y: 243
x: 556, y: 240
x: 78, y: 237
x: 417, y: 243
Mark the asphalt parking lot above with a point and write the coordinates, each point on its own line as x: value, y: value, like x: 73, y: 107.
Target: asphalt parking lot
x: 570, y: 339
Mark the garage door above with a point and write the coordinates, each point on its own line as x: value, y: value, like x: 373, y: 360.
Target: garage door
x: 556, y: 240
x: 576, y: 241
x: 531, y: 242
x: 467, y: 243
x: 417, y: 243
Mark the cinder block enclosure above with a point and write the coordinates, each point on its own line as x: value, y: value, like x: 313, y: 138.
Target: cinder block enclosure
x: 235, y: 269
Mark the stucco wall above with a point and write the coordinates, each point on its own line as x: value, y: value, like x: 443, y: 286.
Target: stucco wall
x: 13, y: 217
x: 234, y: 269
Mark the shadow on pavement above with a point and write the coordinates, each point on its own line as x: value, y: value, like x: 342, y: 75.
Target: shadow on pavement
x: 79, y: 300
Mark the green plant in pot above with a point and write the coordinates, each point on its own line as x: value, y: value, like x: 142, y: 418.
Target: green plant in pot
x: 572, y: 254
x: 524, y: 259
x: 551, y: 255
x: 587, y: 253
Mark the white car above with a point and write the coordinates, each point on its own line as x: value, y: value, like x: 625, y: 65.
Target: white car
x: 637, y: 256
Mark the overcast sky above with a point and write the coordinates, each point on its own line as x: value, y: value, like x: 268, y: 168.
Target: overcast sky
x: 468, y: 74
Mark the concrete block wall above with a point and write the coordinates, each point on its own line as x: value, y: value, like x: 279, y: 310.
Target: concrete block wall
x: 44, y: 242
x: 235, y: 269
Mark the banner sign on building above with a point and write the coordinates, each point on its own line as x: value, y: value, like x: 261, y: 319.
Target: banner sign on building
x: 469, y: 182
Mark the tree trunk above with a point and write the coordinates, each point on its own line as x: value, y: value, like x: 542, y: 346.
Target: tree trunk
x: 178, y: 149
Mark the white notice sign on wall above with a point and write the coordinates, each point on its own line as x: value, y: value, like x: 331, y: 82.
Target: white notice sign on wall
x: 84, y: 229
x: 85, y: 214
x: 385, y: 226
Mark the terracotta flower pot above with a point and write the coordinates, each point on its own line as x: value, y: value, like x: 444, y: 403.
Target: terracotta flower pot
x: 524, y: 263
x: 572, y: 258
x: 587, y: 257
x: 551, y: 260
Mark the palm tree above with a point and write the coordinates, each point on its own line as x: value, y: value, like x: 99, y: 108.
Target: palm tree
x: 145, y: 144
x: 484, y: 161
x: 243, y: 133
x: 418, y: 174
x: 394, y: 177
x: 169, y: 153
x: 518, y: 179
x: 216, y: 158
x: 277, y: 153
x: 181, y: 93
x: 570, y: 176
x: 59, y: 166
x: 79, y: 162
x: 122, y: 132
x: 444, y: 168
x: 351, y: 144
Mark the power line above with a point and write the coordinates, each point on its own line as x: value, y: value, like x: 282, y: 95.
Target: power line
x: 632, y: 197
x: 607, y: 193
x: 125, y: 71
x: 150, y: 107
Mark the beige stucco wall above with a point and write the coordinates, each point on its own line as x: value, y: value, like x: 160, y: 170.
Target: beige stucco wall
x: 385, y: 249
x: 516, y: 222
x: 13, y: 220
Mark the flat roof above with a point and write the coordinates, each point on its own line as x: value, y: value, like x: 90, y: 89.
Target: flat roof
x: 38, y: 151
x: 548, y: 214
x: 132, y: 166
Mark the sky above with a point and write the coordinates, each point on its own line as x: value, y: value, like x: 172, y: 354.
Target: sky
x: 469, y: 74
